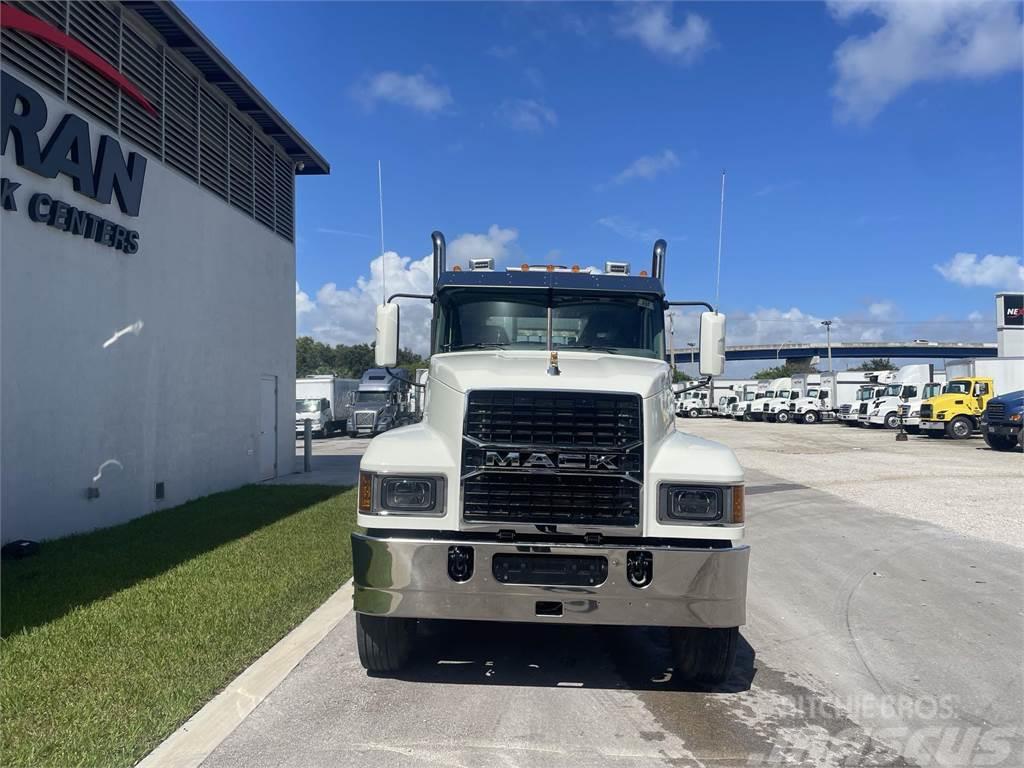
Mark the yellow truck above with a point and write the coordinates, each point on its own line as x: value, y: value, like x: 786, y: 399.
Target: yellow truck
x: 957, y: 411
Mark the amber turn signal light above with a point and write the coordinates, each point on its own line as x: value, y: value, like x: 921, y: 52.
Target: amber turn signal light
x: 738, y: 498
x: 365, y: 492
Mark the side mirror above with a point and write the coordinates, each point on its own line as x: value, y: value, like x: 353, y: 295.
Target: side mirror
x: 386, y: 350
x: 712, y: 343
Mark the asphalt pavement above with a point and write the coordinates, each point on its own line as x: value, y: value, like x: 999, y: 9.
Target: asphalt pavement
x: 873, y: 639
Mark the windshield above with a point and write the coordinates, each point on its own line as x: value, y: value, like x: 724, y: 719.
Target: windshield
x: 893, y: 390
x: 931, y: 390
x: 865, y: 394
x: 371, y: 397
x: 783, y: 393
x: 748, y: 396
x: 812, y: 393
x: 958, y: 387
x: 309, y: 405
x: 623, y: 324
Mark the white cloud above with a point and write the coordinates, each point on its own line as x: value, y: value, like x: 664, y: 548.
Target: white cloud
x: 917, y: 42
x: 881, y: 310
x: 652, y: 26
x: 648, y: 167
x: 629, y: 229
x: 975, y: 316
x: 1001, y: 272
x: 526, y: 115
x: 340, y: 315
x: 414, y: 91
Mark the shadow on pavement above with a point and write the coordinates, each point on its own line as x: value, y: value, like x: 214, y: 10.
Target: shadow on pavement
x: 498, y: 653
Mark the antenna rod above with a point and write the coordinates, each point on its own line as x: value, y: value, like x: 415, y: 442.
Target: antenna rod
x: 383, y: 268
x: 721, y: 218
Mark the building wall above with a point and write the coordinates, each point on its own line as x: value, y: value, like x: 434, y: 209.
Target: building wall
x: 210, y: 297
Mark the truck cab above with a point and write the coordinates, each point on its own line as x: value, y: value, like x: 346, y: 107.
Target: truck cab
x: 778, y: 392
x: 910, y: 409
x: 1002, y: 423
x: 318, y: 411
x: 745, y: 410
x: 547, y: 481
x: 956, y: 413
x: 377, y: 404
x: 692, y: 404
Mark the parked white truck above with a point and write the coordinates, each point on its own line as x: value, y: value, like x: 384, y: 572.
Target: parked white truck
x: 910, y: 409
x: 819, y: 403
x: 781, y: 409
x: 745, y: 411
x: 324, y: 401
x: 907, y: 384
x: 547, y: 481
x: 761, y: 408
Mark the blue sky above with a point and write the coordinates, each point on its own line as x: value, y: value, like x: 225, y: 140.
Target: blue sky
x: 866, y: 147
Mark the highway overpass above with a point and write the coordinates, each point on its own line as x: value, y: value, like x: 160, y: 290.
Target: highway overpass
x: 859, y: 349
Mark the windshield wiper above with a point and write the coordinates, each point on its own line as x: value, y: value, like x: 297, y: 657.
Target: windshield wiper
x: 474, y: 345
x: 611, y: 350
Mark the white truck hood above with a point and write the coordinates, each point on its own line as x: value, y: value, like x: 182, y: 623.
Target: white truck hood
x: 519, y: 369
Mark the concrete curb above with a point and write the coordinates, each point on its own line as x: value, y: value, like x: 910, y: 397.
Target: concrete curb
x: 193, y: 742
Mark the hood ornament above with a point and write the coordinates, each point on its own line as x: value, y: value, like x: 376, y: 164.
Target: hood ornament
x: 553, y: 364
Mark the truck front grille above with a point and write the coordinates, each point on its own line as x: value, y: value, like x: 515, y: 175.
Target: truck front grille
x: 863, y: 409
x: 552, y: 458
x: 904, y: 410
x: 845, y: 409
x: 536, y: 418
x: 995, y: 412
x: 926, y: 411
x: 365, y: 418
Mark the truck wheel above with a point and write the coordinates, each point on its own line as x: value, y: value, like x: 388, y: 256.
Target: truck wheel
x: 782, y: 417
x: 892, y: 420
x: 693, y: 413
x: 704, y: 656
x: 811, y: 417
x: 384, y: 642
x: 960, y: 428
x: 1001, y: 442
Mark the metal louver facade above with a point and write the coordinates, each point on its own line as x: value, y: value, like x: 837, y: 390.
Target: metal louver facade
x: 197, y: 130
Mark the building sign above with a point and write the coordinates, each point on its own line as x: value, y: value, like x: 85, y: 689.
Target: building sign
x: 1013, y: 309
x: 68, y: 151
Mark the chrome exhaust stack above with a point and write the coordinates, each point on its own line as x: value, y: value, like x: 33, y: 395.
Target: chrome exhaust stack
x: 439, y: 253
x: 658, y: 260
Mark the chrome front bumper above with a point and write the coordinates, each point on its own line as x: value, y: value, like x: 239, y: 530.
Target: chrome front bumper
x: 409, y: 577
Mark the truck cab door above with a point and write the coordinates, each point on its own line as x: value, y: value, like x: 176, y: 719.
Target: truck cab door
x: 982, y: 393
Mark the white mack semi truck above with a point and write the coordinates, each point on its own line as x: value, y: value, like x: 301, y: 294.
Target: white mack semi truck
x: 907, y: 386
x: 547, y: 481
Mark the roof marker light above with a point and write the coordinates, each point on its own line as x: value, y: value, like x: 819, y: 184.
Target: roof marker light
x: 551, y: 267
x: 575, y: 267
x: 643, y: 273
x: 456, y: 268
x: 525, y: 267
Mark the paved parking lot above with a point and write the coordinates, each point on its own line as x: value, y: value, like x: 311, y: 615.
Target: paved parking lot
x: 880, y: 632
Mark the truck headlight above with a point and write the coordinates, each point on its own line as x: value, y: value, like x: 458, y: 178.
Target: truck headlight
x: 915, y: 413
x: 400, y: 494
x: 701, y: 505
x: 1015, y: 417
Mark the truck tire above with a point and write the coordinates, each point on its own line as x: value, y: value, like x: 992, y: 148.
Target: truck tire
x: 1001, y: 442
x: 892, y: 420
x: 384, y: 642
x: 811, y: 417
x: 693, y: 413
x: 704, y: 656
x: 960, y: 428
x: 782, y: 417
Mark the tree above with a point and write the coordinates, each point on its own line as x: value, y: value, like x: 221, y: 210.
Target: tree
x: 680, y: 376
x: 786, y: 369
x: 316, y: 358
x: 876, y: 364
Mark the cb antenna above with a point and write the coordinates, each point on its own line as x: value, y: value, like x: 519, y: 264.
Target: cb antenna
x: 383, y: 268
x: 721, y: 219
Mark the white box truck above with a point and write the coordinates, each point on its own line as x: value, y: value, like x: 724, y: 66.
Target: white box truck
x: 908, y: 384
x: 324, y: 400
x: 547, y: 481
x: 781, y: 409
x: 820, y: 403
x: 760, y: 409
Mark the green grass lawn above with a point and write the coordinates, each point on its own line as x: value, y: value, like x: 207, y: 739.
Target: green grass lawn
x: 111, y: 640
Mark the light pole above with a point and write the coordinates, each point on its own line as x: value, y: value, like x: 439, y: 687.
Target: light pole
x: 693, y: 348
x: 828, y: 335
